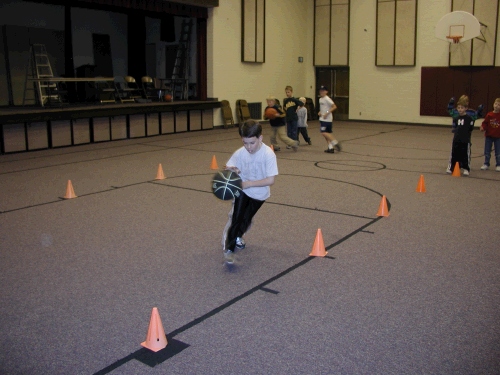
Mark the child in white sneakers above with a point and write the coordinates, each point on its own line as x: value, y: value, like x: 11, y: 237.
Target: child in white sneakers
x: 463, y: 125
x: 256, y: 164
x: 326, y: 108
x: 491, y: 129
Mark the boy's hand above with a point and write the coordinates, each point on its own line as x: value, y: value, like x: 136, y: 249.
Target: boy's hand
x: 482, y: 128
x: 231, y: 168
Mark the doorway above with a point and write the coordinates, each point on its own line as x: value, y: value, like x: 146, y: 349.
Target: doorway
x: 337, y: 82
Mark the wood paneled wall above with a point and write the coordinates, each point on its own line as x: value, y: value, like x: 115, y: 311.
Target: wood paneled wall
x: 396, y: 32
x: 477, y: 52
x: 439, y: 84
x: 253, y: 30
x: 331, y: 32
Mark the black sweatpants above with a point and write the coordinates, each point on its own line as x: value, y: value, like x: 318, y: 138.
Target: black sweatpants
x: 460, y: 152
x: 244, y: 209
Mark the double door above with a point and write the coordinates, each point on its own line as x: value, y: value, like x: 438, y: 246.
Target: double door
x: 337, y: 82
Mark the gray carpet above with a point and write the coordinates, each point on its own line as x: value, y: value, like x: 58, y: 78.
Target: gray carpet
x: 417, y: 292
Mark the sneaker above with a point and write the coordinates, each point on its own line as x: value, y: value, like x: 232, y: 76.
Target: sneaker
x: 330, y: 151
x: 448, y: 171
x: 497, y: 168
x: 229, y: 256
x: 289, y: 147
x: 276, y: 149
x: 466, y: 172
x: 240, y: 243
x: 484, y: 167
x: 309, y: 143
x: 338, y: 146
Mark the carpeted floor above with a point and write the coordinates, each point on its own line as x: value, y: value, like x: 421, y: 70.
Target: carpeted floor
x: 417, y: 292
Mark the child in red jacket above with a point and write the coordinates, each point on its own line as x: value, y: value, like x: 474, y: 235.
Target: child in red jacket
x: 491, y: 129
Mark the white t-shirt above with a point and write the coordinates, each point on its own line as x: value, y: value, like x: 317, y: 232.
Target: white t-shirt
x: 254, y: 167
x: 325, y: 103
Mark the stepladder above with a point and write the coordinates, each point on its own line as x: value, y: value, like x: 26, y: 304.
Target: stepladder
x: 181, y: 70
x: 40, y: 86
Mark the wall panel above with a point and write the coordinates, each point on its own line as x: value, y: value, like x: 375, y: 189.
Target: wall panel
x: 396, y: 32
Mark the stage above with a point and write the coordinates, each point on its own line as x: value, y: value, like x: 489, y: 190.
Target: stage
x: 27, y: 128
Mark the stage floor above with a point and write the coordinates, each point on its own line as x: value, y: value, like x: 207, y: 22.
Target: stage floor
x: 15, y: 114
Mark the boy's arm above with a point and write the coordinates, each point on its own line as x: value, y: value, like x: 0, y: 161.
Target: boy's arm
x: 451, y: 110
x: 485, y: 124
x: 268, y: 181
x: 453, y: 113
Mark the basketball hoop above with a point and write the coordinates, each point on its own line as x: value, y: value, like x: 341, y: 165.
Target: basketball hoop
x: 454, y: 38
x: 458, y: 27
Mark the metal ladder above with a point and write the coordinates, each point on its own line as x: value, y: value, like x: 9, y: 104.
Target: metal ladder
x: 39, y: 67
x: 180, y: 73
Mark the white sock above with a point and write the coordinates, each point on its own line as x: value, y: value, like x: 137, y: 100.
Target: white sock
x: 330, y: 146
x: 333, y: 143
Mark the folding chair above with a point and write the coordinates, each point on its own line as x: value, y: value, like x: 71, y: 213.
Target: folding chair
x: 149, y: 89
x: 242, y: 110
x: 227, y: 114
x: 135, y: 90
x: 105, y: 92
x: 122, y: 90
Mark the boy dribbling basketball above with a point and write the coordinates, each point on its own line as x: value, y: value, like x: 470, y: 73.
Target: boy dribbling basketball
x: 256, y: 164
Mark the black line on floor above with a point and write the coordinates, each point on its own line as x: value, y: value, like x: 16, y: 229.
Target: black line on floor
x: 267, y: 290
x: 148, y: 357
x: 234, y: 300
x: 32, y: 206
x: 157, y: 182
x: 345, y: 238
x: 318, y: 210
x: 154, y: 182
x: 231, y: 302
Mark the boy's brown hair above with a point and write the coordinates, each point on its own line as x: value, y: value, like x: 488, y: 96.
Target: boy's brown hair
x: 463, y: 101
x: 289, y: 88
x: 497, y: 100
x: 250, y: 128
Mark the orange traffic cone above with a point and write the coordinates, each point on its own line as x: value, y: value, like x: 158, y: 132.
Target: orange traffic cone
x: 421, y: 184
x: 70, y: 193
x: 456, y: 170
x: 214, y: 163
x: 156, y: 339
x: 382, y: 209
x: 318, y: 249
x: 159, y: 174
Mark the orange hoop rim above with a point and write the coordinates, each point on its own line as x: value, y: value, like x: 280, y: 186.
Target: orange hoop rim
x: 455, y: 38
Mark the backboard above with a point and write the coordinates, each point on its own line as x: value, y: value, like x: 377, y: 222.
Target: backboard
x: 458, y: 26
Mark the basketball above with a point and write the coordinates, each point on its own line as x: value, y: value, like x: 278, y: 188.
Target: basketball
x: 226, y: 185
x: 271, y: 113
x: 168, y: 98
